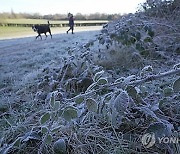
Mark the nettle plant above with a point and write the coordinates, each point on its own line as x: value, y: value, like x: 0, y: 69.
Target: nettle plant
x: 131, y: 35
x: 132, y: 32
x: 138, y: 36
x: 121, y: 105
x: 133, y: 104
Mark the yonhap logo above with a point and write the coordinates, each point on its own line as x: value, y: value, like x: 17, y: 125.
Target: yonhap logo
x: 148, y: 140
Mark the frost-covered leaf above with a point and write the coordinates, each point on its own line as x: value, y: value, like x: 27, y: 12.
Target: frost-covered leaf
x: 146, y: 70
x: 48, y: 139
x: 98, y: 75
x: 146, y: 27
x: 31, y: 136
x: 148, y: 39
x: 121, y: 102
x: 113, y: 118
x: 138, y: 90
x: 129, y: 79
x: 101, y: 40
x: 168, y: 92
x: 108, y: 96
x: 91, y: 87
x: 52, y: 100
x: 91, y: 105
x: 138, y: 36
x: 102, y: 81
x: 155, y: 107
x: 17, y: 142
x: 44, y: 118
x: 3, y: 107
x: 79, y: 99
x: 151, y: 33
x: 159, y: 129
x: 56, y: 105
x: 70, y: 113
x: 148, y: 112
x: 120, y: 80
x: 131, y: 91
x: 59, y: 147
x: 162, y: 102
x: 139, y: 46
x: 176, y: 86
x: 176, y: 66
x: 132, y: 39
x: 44, y: 130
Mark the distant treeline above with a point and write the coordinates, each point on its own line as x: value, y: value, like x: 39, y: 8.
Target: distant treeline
x: 78, y: 16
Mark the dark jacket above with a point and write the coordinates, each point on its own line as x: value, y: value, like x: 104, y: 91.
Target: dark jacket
x: 71, y: 21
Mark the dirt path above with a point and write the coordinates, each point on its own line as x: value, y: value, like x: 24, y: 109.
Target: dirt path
x: 21, y: 60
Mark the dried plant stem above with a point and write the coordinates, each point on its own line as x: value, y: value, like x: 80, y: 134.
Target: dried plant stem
x: 134, y: 83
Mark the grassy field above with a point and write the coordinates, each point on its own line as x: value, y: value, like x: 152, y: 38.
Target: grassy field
x: 43, y: 21
x: 13, y: 32
x: 17, y: 32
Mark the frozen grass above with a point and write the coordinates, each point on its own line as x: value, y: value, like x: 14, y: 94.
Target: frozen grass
x: 23, y: 59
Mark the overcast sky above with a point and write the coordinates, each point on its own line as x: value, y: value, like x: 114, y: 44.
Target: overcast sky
x: 74, y: 6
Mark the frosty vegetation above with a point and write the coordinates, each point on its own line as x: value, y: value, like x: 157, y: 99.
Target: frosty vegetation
x: 105, y: 95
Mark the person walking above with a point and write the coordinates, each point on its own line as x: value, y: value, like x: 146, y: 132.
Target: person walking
x: 71, y: 23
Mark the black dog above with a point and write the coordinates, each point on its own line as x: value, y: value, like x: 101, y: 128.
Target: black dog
x: 42, y: 29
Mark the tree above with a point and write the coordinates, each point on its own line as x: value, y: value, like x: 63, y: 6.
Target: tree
x: 13, y: 15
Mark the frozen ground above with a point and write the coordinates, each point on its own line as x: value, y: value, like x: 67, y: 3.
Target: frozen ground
x: 22, y: 59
